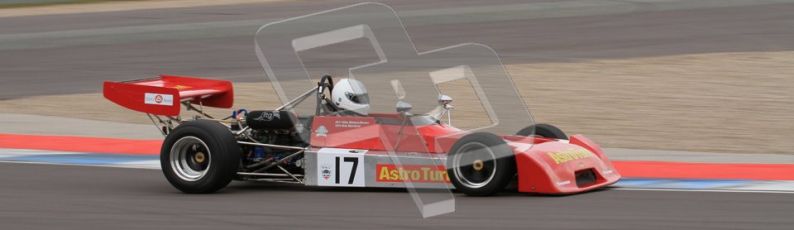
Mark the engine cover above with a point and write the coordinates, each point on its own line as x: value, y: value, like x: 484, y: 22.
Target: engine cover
x: 269, y: 119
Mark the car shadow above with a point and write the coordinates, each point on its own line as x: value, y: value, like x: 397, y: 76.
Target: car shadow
x: 264, y: 187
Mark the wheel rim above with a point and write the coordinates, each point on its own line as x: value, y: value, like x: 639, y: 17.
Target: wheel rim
x: 474, y: 165
x: 190, y: 158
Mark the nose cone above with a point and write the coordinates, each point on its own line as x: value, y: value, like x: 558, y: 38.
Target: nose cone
x: 557, y: 167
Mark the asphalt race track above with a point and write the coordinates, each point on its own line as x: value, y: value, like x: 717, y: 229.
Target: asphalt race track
x: 57, y: 54
x: 73, y: 197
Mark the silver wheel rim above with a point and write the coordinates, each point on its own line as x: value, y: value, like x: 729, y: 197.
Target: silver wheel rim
x: 456, y: 163
x: 183, y: 158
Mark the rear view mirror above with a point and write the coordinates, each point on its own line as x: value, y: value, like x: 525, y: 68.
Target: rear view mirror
x: 403, y: 107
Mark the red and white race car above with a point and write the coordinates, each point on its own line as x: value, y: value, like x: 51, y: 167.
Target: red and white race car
x: 334, y: 147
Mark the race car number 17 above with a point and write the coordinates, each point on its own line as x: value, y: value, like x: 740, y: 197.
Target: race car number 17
x: 340, y: 167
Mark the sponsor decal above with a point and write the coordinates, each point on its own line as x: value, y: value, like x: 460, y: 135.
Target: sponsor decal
x: 569, y: 155
x: 181, y: 87
x: 321, y: 131
x: 326, y: 172
x: 158, y: 99
x: 413, y: 173
x: 351, y: 123
x: 268, y: 116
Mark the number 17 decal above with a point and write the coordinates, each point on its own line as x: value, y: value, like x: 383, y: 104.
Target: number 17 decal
x: 352, y: 172
x: 340, y: 167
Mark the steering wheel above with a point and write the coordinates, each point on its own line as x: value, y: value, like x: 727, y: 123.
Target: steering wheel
x: 326, y: 82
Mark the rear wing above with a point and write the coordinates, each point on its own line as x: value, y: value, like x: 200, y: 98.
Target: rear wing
x: 164, y: 95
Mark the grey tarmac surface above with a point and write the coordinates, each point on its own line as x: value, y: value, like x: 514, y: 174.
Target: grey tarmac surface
x: 73, y: 197
x: 57, y: 54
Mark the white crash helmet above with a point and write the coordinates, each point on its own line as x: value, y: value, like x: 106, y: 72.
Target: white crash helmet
x: 350, y: 94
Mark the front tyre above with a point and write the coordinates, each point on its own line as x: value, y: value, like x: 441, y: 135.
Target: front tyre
x: 480, y: 164
x: 200, y: 157
x: 543, y: 130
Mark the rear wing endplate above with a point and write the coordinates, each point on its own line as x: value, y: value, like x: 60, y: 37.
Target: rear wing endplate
x: 164, y: 95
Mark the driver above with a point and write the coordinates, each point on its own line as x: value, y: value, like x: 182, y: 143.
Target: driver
x: 350, y: 96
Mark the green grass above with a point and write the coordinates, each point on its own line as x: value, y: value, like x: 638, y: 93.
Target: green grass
x: 31, y: 3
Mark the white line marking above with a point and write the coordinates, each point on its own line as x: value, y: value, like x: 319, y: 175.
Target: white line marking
x: 30, y: 152
x: 84, y: 165
x: 702, y: 190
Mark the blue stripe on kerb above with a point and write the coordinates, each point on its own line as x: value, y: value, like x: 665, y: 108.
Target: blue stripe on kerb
x: 82, y: 159
x: 681, y: 183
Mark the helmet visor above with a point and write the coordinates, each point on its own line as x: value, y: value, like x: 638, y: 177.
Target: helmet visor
x: 362, y: 98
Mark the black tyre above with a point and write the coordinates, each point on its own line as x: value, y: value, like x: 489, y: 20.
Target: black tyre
x: 200, y: 157
x: 481, y: 164
x: 543, y: 130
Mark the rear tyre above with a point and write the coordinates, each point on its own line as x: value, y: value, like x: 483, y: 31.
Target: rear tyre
x: 543, y: 130
x: 480, y: 164
x: 200, y: 157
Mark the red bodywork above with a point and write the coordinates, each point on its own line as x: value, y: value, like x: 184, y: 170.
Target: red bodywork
x: 544, y: 165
